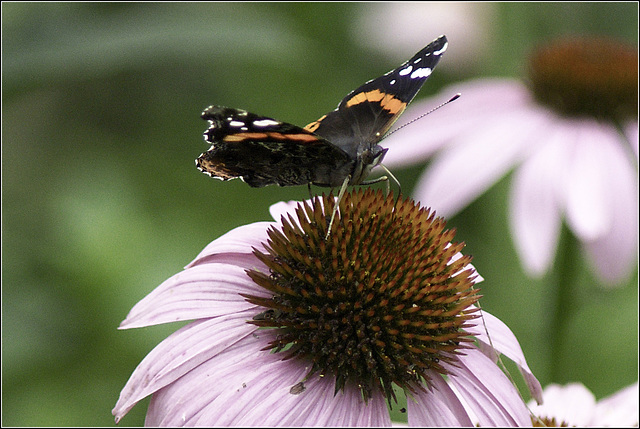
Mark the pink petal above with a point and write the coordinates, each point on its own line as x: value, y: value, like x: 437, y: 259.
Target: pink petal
x: 254, y: 389
x: 536, y: 206
x: 395, y: 30
x: 224, y: 375
x: 324, y: 408
x: 481, y: 101
x: 631, y: 133
x: 477, y: 278
x: 504, y: 342
x: 208, y: 290
x: 438, y: 406
x: 179, y: 353
x: 287, y: 211
x: 283, y: 208
x: 417, y: 142
x: 477, y: 159
x: 619, y: 409
x: 583, y: 170
x: 615, y: 253
x: 572, y: 403
x: 233, y: 246
x: 588, y: 211
x: 487, y: 391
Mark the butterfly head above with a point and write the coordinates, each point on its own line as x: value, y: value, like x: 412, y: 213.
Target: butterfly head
x: 369, y: 158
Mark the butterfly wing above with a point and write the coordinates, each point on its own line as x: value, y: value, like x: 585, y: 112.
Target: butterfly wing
x: 262, y: 151
x: 365, y: 115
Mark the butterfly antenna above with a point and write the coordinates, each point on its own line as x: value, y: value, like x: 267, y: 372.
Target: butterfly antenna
x: 454, y: 98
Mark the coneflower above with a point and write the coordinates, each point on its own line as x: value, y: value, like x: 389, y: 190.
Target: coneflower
x: 295, y: 329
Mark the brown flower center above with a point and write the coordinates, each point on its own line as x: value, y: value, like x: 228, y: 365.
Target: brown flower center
x: 548, y: 422
x: 379, y: 302
x: 594, y: 77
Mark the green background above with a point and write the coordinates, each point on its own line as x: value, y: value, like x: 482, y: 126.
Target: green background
x: 101, y: 200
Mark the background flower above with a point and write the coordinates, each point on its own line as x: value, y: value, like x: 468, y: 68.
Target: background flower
x: 574, y: 405
x: 101, y: 200
x: 392, y: 30
x: 581, y: 170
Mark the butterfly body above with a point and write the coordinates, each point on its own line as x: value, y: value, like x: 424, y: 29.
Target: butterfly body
x: 339, y: 148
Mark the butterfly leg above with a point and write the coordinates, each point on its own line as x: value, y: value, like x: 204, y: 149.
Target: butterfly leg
x: 395, y: 179
x: 397, y: 183
x: 385, y: 179
x: 337, y: 206
x: 376, y: 180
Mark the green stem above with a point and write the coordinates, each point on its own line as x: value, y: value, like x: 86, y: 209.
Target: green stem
x: 567, y: 275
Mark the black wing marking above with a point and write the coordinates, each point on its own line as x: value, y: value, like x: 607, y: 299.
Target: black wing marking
x: 262, y: 151
x: 365, y: 115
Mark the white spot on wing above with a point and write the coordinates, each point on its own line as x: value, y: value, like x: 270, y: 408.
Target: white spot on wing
x: 236, y: 124
x: 421, y: 73
x: 441, y: 51
x: 405, y: 71
x: 265, y: 122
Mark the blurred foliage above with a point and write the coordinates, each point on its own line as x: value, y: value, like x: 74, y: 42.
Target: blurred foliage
x: 102, y: 202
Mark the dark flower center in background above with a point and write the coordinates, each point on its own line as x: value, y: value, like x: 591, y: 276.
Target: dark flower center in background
x: 594, y: 77
x: 378, y: 302
x: 546, y: 422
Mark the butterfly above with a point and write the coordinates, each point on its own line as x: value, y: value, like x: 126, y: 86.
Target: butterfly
x: 338, y: 150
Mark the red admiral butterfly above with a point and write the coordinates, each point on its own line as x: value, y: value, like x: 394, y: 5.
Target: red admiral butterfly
x: 339, y: 149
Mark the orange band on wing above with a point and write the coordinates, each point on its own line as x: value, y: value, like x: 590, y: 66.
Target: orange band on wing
x: 275, y: 136
x: 314, y: 125
x: 387, y: 101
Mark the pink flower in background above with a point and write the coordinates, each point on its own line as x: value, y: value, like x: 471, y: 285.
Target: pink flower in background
x: 574, y: 405
x: 395, y: 28
x: 308, y: 331
x: 572, y: 138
